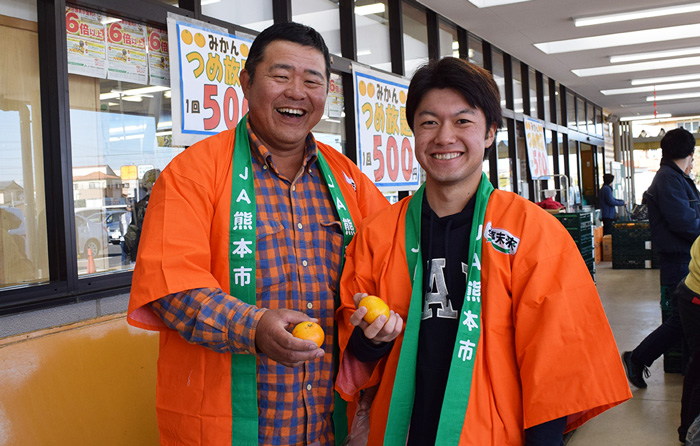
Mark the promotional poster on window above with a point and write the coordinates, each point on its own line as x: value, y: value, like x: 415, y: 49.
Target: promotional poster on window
x: 107, y: 47
x: 206, y: 90
x: 384, y: 140
x: 536, y: 147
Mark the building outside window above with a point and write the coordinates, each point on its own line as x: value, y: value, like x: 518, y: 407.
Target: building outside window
x: 23, y: 229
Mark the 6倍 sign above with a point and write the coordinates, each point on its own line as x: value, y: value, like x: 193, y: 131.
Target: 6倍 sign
x: 384, y: 141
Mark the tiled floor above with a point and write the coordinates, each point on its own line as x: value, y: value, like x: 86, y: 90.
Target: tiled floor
x: 651, y: 417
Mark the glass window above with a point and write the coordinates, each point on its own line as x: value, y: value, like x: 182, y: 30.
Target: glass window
x: 505, y: 168
x: 476, y: 51
x: 23, y: 251
x: 121, y: 138
x: 599, y: 122
x: 590, y: 118
x: 449, y: 44
x: 372, y: 30
x: 415, y: 38
x: 517, y: 86
x: 575, y: 195
x: 557, y: 104
x: 581, y: 114
x: 534, y: 108
x: 321, y: 15
x: 499, y: 74
x: 550, y: 150
x: 523, y: 166
x: 562, y: 153
x: 570, y: 109
x: 547, y: 98
x: 255, y: 15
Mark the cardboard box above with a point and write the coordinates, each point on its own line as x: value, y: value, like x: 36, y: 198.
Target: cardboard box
x: 607, y: 248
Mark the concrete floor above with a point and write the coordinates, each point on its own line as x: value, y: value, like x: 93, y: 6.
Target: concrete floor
x: 631, y: 301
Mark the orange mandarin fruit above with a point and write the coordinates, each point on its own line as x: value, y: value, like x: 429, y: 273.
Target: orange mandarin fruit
x: 309, y: 331
x: 375, y: 308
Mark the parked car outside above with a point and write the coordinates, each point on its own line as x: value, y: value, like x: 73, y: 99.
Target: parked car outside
x: 109, y: 218
x: 89, y: 235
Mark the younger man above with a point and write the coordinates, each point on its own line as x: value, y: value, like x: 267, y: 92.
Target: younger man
x: 505, y: 340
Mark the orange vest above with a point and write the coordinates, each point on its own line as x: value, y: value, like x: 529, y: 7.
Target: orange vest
x: 184, y: 246
x: 546, y: 349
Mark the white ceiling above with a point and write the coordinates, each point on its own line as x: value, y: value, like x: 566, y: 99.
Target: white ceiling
x: 517, y: 27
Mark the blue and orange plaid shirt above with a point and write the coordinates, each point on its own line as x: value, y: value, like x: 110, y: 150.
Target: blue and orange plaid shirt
x: 299, y: 242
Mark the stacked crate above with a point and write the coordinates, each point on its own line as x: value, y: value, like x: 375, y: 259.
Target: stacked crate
x: 580, y: 226
x: 631, y: 246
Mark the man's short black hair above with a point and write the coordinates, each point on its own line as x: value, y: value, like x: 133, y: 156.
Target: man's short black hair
x: 291, y: 32
x: 474, y: 83
x: 677, y: 144
x: 608, y: 178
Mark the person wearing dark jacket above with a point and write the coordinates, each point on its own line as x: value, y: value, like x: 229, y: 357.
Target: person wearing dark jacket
x: 674, y: 218
x: 608, y: 203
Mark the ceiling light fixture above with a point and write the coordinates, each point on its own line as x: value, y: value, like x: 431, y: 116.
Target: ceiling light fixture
x: 489, y: 3
x: 640, y: 117
x: 651, y: 88
x: 673, y: 97
x: 636, y: 15
x: 654, y: 55
x: 661, y: 80
x: 620, y: 39
x: 639, y: 66
x: 374, y: 8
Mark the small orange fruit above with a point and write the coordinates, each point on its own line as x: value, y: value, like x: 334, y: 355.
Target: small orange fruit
x: 375, y: 308
x: 309, y: 331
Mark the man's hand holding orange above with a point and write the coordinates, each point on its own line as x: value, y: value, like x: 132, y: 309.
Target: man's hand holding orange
x: 384, y: 328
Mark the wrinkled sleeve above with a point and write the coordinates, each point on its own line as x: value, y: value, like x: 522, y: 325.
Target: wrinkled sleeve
x: 683, y: 218
x: 211, y: 318
x: 566, y: 353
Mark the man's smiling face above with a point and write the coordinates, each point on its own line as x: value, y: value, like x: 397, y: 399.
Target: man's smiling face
x: 451, y: 137
x: 287, y: 96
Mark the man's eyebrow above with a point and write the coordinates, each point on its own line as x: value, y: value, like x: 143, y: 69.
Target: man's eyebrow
x: 291, y: 68
x: 468, y: 111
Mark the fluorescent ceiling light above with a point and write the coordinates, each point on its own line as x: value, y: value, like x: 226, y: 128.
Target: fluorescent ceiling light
x: 673, y: 97
x: 209, y: 2
x: 661, y: 80
x: 374, y: 8
x: 489, y: 3
x: 364, y: 53
x: 649, y: 88
x: 635, y: 15
x: 639, y: 66
x: 655, y: 55
x: 620, y: 39
x: 108, y: 20
x: 640, y: 117
x: 133, y: 92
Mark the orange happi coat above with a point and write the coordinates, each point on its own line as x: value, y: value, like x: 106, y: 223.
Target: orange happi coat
x: 185, y: 246
x: 546, y: 349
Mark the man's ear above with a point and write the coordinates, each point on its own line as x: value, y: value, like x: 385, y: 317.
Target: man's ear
x: 244, y: 77
x: 490, y: 135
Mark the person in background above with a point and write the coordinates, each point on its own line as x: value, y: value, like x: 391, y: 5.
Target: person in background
x: 244, y: 238
x: 124, y: 221
x: 132, y: 236
x: 674, y: 218
x: 608, y: 203
x: 494, y: 352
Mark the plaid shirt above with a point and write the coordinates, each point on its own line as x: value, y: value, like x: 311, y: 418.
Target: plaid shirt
x: 299, y: 242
